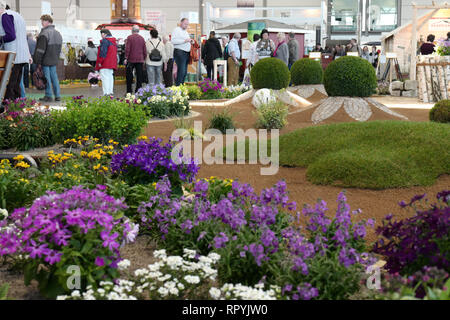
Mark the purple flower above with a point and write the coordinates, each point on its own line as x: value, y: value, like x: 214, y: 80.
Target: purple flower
x: 220, y: 240
x: 100, y: 262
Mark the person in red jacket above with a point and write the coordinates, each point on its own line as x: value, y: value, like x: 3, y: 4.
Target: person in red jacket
x: 107, y: 61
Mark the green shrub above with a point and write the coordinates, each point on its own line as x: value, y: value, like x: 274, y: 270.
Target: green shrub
x: 270, y: 73
x: 194, y: 92
x: 5, y: 132
x: 350, y: 76
x: 221, y: 121
x: 441, y: 112
x: 272, y: 115
x: 306, y: 71
x: 33, y: 131
x: 102, y: 118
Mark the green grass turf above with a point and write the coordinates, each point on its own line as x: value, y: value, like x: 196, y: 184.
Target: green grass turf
x: 372, y: 155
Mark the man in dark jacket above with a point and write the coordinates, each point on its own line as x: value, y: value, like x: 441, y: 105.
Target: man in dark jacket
x: 135, y: 54
x: 211, y: 51
x: 48, y: 49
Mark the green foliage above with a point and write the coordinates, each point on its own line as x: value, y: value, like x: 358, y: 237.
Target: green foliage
x: 221, y: 121
x: 194, y: 92
x: 441, y: 112
x: 270, y: 73
x: 4, y: 291
x: 350, y: 76
x: 272, y: 115
x: 103, y: 118
x: 372, y: 155
x: 306, y: 71
x: 5, y: 133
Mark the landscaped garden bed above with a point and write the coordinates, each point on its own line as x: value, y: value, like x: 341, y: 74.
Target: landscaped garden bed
x: 140, y: 225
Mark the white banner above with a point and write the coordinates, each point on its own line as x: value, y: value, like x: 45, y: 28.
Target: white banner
x: 438, y: 24
x: 156, y: 18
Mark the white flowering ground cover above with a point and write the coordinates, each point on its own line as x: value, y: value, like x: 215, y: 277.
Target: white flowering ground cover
x: 173, y: 277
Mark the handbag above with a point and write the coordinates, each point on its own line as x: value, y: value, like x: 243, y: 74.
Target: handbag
x: 39, y: 78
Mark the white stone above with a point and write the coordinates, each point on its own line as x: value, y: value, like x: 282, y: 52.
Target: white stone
x: 263, y: 96
x: 410, y: 84
x: 396, y: 93
x: 409, y: 93
x: 396, y: 85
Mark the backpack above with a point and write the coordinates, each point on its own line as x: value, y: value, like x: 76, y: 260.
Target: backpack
x: 155, y: 54
x: 39, y: 79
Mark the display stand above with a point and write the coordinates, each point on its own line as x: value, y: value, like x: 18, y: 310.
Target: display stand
x: 6, y: 64
x: 223, y: 63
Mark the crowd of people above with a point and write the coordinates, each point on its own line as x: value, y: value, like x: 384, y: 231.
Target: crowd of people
x: 150, y: 61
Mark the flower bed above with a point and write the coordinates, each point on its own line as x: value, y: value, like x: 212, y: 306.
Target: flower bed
x: 217, y: 239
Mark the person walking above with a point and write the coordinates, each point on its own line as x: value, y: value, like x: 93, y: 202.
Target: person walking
x: 293, y: 46
x: 353, y: 46
x: 182, y: 48
x: 71, y: 55
x: 48, y: 50
x: 107, y: 61
x: 156, y: 58
x: 168, y: 67
x: 233, y: 60
x: 135, y: 55
x: 13, y: 37
x: 211, y: 52
x: 265, y: 46
x: 282, y: 50
x: 91, y: 53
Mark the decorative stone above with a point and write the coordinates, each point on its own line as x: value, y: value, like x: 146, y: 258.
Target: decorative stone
x: 396, y: 85
x: 263, y: 96
x: 409, y: 93
x: 411, y: 85
x: 396, y: 93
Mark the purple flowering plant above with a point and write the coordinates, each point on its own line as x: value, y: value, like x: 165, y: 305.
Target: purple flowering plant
x: 410, y: 244
x: 148, y: 161
x: 211, y: 89
x: 79, y: 227
x: 256, y: 239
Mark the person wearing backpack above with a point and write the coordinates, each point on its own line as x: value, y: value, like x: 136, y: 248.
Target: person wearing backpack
x: 135, y: 56
x: 156, y: 58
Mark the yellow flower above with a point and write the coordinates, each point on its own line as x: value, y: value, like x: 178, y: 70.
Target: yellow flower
x: 83, y: 153
x: 5, y: 161
x: 105, y: 168
x: 19, y: 157
x: 96, y: 167
x: 58, y: 175
x: 111, y: 141
x: 26, y: 181
x: 22, y: 164
x: 142, y: 138
x: 3, y: 171
x: 76, y: 166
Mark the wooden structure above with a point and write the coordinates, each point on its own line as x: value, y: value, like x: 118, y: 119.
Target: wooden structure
x: 223, y: 63
x: 6, y: 64
x: 433, y: 6
x: 126, y: 11
x: 433, y: 75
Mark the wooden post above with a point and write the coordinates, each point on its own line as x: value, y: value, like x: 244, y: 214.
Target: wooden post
x: 412, y: 71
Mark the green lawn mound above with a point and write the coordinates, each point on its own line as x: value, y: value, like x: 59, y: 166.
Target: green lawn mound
x: 371, y: 155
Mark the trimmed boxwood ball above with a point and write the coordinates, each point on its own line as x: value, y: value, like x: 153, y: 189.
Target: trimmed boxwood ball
x: 270, y: 73
x: 441, y: 112
x: 350, y: 77
x: 306, y: 71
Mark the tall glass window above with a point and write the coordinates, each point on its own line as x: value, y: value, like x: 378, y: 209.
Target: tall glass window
x: 382, y: 15
x: 343, y: 15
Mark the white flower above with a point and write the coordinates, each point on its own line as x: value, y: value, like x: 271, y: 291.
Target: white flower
x: 124, y: 264
x: 76, y: 294
x: 3, y: 213
x: 192, y: 279
x: 174, y: 291
x: 163, y: 292
x: 160, y: 254
x: 139, y: 101
x: 214, y: 257
x: 215, y: 293
x: 188, y: 253
x: 180, y: 286
x: 128, y: 95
